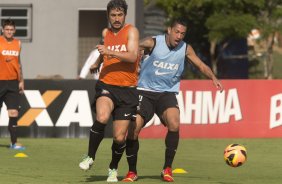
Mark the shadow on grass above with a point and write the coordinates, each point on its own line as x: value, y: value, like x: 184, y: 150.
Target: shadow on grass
x: 4, y: 146
x: 154, y: 177
x: 96, y: 178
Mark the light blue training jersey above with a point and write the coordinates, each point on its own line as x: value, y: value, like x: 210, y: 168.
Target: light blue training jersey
x: 162, y: 70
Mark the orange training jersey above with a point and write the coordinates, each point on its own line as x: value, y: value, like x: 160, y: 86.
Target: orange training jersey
x: 114, y: 71
x: 9, y: 59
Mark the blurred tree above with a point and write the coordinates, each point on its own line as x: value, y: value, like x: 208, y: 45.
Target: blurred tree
x: 270, y: 23
x: 219, y: 20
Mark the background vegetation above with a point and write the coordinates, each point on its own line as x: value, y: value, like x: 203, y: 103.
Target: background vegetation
x: 213, y: 23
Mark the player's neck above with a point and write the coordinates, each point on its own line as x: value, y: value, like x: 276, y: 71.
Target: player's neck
x: 9, y: 39
x: 168, y: 43
x: 116, y: 31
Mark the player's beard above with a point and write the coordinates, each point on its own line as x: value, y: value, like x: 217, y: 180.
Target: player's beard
x: 116, y: 26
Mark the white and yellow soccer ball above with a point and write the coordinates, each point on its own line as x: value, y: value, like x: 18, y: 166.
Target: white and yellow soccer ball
x: 235, y: 155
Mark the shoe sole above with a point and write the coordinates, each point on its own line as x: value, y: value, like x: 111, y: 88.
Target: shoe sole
x: 113, y: 181
x: 169, y: 179
x: 129, y: 179
x: 18, y: 149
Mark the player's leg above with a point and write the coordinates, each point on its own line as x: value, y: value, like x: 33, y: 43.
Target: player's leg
x: 118, y: 146
x: 12, y: 101
x: 103, y: 113
x: 171, y: 118
x: 122, y: 115
x: 119, y: 133
x: 132, y: 148
x: 13, y: 119
x: 145, y: 111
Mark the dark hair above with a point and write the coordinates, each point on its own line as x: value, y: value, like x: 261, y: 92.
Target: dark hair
x: 178, y: 21
x: 117, y: 4
x: 8, y: 22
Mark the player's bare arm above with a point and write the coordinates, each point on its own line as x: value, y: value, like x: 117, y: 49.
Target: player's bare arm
x: 21, y: 82
x: 132, y: 48
x: 146, y: 45
x: 94, y: 68
x: 191, y: 55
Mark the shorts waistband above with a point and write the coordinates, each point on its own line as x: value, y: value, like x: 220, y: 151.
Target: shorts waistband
x: 115, y: 85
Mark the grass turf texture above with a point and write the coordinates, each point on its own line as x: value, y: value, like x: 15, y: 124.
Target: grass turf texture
x: 56, y: 161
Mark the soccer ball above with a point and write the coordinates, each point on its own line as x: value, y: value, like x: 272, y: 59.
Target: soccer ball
x: 235, y: 155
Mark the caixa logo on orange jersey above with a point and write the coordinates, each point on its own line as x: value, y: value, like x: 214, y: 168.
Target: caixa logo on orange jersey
x: 75, y: 110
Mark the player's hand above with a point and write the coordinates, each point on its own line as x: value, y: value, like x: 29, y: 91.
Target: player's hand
x: 21, y: 87
x: 79, y: 78
x: 141, y: 52
x: 103, y: 50
x: 94, y: 68
x: 218, y: 85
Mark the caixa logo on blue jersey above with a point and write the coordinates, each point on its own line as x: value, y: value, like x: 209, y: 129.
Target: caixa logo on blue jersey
x: 167, y: 66
x: 164, y: 68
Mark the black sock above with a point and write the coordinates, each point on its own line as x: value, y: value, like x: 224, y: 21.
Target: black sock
x: 95, y: 138
x: 12, y: 129
x: 117, y: 151
x: 171, y: 142
x: 132, y: 147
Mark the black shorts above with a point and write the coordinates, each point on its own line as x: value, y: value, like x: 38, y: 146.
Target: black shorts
x: 9, y: 94
x: 155, y: 102
x: 125, y: 100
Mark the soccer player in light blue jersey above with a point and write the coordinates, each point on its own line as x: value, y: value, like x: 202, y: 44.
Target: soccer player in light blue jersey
x: 158, y: 85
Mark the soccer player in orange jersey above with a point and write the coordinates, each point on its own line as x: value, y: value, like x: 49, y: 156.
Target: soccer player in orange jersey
x: 116, y: 92
x: 11, y: 78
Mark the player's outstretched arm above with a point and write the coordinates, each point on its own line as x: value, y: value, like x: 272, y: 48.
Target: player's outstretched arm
x: 146, y: 45
x: 191, y: 55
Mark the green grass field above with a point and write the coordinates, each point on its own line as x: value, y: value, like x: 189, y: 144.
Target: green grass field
x: 56, y: 161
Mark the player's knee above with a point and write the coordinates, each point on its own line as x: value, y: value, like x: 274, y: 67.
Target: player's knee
x: 13, y: 113
x: 119, y: 136
x: 173, y: 126
x: 103, y: 118
x: 119, y: 139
